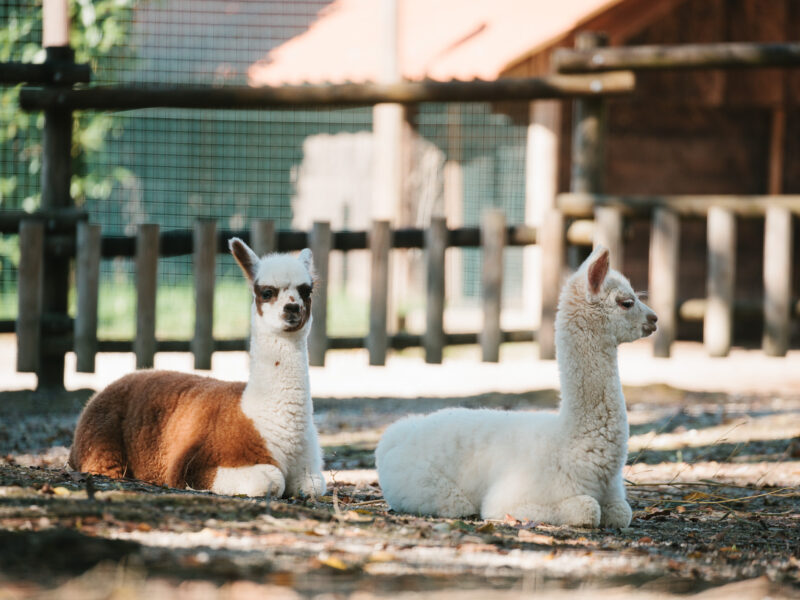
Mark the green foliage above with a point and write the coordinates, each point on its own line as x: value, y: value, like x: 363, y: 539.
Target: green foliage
x: 99, y: 34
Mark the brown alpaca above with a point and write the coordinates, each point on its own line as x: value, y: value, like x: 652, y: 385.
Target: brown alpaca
x: 184, y: 430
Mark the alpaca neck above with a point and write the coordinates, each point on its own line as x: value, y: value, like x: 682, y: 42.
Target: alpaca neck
x: 278, y: 373
x: 591, y: 393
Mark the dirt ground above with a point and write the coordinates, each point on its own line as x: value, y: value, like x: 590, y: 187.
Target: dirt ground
x: 713, y: 480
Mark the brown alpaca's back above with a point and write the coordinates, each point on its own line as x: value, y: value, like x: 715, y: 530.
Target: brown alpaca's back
x: 167, y: 428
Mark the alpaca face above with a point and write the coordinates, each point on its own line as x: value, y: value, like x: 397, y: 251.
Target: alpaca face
x: 601, y: 301
x: 282, y: 286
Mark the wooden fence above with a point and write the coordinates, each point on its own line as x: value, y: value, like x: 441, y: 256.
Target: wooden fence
x: 573, y: 220
x: 205, y: 242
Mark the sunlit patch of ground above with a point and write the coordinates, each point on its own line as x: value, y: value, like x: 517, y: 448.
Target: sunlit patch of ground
x: 713, y: 480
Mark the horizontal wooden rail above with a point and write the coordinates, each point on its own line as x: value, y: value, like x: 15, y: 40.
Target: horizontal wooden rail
x: 686, y: 56
x: 330, y: 96
x: 180, y: 242
x: 55, y: 221
x: 695, y: 309
x: 399, y: 341
x: 583, y: 205
x: 14, y: 73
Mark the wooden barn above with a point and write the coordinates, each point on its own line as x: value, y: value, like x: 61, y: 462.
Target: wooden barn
x: 690, y: 132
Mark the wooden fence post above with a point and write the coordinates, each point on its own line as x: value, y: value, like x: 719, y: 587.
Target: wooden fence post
x: 552, y: 241
x: 205, y: 256
x: 718, y: 322
x: 435, y: 248
x: 87, y: 276
x: 493, y: 241
x: 56, y: 176
x: 664, y: 247
x: 262, y: 237
x: 608, y: 232
x: 778, y: 244
x: 29, y: 294
x: 320, y: 242
x: 144, y: 345
x: 380, y: 240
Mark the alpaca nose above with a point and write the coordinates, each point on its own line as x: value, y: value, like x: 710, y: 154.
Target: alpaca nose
x: 292, y: 308
x: 652, y: 317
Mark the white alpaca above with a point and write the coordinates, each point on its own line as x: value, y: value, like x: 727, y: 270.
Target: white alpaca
x: 563, y: 468
x: 184, y: 430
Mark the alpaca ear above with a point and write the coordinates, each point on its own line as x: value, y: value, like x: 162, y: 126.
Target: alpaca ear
x: 307, y: 260
x: 598, y: 269
x: 247, y: 259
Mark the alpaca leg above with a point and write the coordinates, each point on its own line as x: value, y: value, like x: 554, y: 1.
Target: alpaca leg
x: 578, y: 511
x: 307, y: 478
x: 615, y: 510
x: 421, y: 488
x: 98, y: 451
x: 254, y: 480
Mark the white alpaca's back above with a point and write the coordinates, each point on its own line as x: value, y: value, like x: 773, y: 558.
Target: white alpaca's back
x: 559, y: 468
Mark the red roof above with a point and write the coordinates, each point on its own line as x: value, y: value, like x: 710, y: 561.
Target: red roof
x: 439, y: 39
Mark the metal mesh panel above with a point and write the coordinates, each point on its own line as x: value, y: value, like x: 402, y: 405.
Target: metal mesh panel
x: 172, y: 167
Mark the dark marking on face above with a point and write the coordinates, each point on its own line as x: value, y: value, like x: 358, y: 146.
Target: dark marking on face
x: 304, y: 290
x: 264, y: 294
x: 277, y: 362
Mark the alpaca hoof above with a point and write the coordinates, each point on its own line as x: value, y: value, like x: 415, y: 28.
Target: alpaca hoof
x: 616, y: 515
x: 255, y: 480
x: 581, y: 511
x: 313, y: 486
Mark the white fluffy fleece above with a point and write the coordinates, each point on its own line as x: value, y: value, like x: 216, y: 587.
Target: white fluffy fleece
x: 277, y: 396
x: 558, y: 468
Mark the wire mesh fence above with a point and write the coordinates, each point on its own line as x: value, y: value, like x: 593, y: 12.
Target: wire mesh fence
x: 173, y: 167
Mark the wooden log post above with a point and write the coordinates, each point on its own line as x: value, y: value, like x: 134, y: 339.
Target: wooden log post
x: 664, y: 247
x: 87, y: 278
x: 718, y: 322
x: 608, y: 233
x: 778, y: 244
x: 435, y: 248
x: 56, y: 174
x: 493, y: 241
x: 380, y: 240
x: 144, y: 345
x: 204, y: 259
x: 29, y: 295
x: 553, y: 259
x: 587, y: 175
x: 320, y: 242
x: 262, y: 237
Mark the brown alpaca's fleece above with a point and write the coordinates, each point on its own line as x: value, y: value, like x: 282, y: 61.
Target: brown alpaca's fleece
x: 167, y: 428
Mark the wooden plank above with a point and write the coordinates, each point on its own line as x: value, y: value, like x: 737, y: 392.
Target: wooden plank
x: 686, y: 205
x: 87, y: 277
x: 778, y: 244
x: 776, y: 152
x: 664, y: 252
x: 732, y: 55
x: 589, y: 122
x: 263, y: 238
x: 29, y: 294
x: 348, y: 94
x: 493, y: 241
x: 204, y: 259
x: 144, y: 346
x: 380, y: 240
x: 553, y: 259
x: 435, y: 249
x: 718, y: 322
x: 608, y: 233
x: 320, y: 241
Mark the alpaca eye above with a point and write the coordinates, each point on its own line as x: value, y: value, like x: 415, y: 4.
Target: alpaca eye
x: 267, y: 293
x: 626, y: 303
x: 305, y: 291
